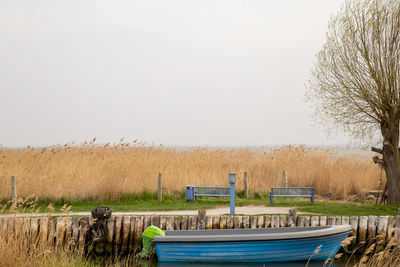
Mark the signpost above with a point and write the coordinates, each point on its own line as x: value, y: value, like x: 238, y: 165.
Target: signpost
x: 232, y: 181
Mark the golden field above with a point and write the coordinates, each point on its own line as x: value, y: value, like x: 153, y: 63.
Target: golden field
x: 105, y: 171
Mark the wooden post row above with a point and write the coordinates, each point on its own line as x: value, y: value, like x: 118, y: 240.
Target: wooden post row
x: 124, y: 232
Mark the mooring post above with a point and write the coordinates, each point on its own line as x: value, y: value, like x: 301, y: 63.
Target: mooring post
x: 201, y: 219
x: 292, y: 218
x: 232, y: 181
x: 13, y: 189
x: 246, y: 188
x: 159, y: 187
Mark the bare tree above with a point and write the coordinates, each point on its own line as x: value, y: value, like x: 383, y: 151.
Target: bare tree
x: 355, y: 84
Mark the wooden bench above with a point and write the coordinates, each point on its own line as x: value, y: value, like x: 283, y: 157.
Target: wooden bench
x: 291, y: 192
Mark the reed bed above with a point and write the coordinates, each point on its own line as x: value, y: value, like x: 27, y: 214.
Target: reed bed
x: 106, y: 172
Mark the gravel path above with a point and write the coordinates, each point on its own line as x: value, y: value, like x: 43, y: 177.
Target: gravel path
x: 246, y: 210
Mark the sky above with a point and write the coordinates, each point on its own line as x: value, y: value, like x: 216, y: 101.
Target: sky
x: 175, y: 72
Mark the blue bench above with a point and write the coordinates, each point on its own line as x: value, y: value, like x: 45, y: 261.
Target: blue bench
x: 192, y: 192
x: 291, y: 192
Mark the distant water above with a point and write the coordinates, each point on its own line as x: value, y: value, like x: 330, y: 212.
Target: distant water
x: 365, y: 151
x: 342, y: 149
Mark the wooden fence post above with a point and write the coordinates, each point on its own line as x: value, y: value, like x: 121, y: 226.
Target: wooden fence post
x: 285, y: 182
x: 13, y: 189
x: 159, y: 187
x: 246, y: 188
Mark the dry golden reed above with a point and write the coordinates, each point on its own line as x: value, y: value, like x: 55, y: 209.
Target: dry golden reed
x: 105, y: 171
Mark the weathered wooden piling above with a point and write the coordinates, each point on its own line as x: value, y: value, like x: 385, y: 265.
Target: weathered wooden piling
x: 282, y: 221
x: 222, y: 222
x: 185, y: 223
x: 371, y: 231
x: 390, y: 227
x: 163, y: 223
x: 354, y: 226
x: 75, y: 234
x: 146, y: 221
x: 126, y: 227
x: 34, y: 231
x: 381, y: 231
x: 246, y: 222
x: 229, y: 222
x: 60, y: 231
x: 338, y: 220
x: 253, y: 222
x: 267, y: 221
x: 177, y: 223
x: 83, y: 229
x: 260, y: 221
x: 110, y: 235
x: 314, y: 221
x: 68, y: 232
x: 292, y: 218
x: 331, y: 221
x: 362, y: 229
x: 192, y: 223
x: 300, y: 221
x: 323, y: 221
x: 138, y: 232
x: 237, y: 222
x: 215, y: 223
x: 201, y: 215
x: 117, y: 234
x: 307, y: 221
x: 169, y: 223
x: 155, y: 220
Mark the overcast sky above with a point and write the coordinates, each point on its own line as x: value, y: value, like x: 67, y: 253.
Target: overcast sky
x: 185, y: 73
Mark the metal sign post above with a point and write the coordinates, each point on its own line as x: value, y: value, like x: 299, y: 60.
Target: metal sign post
x: 232, y: 181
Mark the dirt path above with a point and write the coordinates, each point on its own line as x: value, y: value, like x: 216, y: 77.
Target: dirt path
x: 246, y: 210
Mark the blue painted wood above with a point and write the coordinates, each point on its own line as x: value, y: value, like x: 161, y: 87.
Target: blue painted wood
x: 252, y: 251
x: 192, y: 192
x: 291, y: 192
x: 232, y: 182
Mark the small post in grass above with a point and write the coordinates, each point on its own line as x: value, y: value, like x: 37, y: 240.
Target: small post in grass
x: 246, y: 188
x: 285, y: 183
x: 159, y: 187
x: 13, y: 189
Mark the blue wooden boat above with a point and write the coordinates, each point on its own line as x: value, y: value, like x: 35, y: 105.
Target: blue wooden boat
x: 251, y: 245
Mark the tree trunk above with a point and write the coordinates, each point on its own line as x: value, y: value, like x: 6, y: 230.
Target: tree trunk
x: 390, y: 132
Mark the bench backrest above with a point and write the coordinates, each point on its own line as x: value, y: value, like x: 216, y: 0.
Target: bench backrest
x: 292, y: 191
x: 211, y: 191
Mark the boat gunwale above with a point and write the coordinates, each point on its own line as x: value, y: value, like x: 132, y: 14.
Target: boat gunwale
x: 209, y: 238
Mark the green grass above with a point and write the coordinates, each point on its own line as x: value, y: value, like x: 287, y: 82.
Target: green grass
x: 147, y: 201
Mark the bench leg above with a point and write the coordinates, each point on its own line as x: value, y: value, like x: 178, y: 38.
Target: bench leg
x: 312, y: 195
x: 271, y: 201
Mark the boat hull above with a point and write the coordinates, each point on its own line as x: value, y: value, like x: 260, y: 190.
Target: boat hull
x: 300, y: 249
